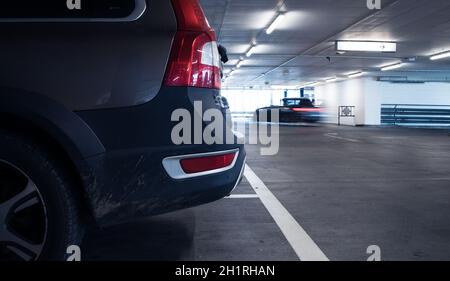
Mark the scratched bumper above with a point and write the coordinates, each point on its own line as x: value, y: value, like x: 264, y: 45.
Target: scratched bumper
x: 129, y: 181
x: 131, y: 185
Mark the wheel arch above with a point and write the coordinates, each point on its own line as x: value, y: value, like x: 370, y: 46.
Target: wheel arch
x: 58, y: 129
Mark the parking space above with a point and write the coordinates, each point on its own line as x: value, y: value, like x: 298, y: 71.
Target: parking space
x: 365, y: 186
x: 230, y: 229
x: 348, y: 188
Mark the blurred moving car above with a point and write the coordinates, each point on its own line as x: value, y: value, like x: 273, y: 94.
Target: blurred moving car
x: 293, y: 110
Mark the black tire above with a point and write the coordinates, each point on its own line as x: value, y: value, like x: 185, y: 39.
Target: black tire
x: 55, y: 198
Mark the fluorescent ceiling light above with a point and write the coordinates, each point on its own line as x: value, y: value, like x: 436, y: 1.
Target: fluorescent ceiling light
x: 366, y: 46
x: 251, y: 51
x: 357, y: 74
x: 275, y: 23
x: 284, y: 87
x: 310, y: 85
x: 440, y: 56
x: 392, y: 67
x: 331, y: 80
x: 239, y: 64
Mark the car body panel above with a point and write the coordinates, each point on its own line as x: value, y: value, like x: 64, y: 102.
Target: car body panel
x: 65, y: 126
x: 89, y: 65
x: 131, y: 176
x: 97, y: 88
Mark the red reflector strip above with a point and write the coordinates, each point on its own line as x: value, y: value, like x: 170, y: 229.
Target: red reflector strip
x: 208, y: 163
x: 307, y: 109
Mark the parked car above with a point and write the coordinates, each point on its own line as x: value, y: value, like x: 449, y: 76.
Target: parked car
x: 293, y: 110
x: 86, y: 100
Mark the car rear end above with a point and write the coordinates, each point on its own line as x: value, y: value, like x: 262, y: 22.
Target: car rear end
x: 305, y: 114
x: 300, y: 110
x: 144, y: 172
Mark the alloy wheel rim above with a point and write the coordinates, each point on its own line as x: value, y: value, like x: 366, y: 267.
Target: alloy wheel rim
x: 23, y: 215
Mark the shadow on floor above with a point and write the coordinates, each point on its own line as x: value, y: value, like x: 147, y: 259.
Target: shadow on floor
x: 162, y: 238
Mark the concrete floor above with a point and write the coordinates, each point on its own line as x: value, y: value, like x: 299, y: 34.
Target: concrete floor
x: 347, y: 187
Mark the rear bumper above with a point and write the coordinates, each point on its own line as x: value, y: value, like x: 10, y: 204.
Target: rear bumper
x: 130, y: 181
x: 300, y: 117
x: 134, y: 184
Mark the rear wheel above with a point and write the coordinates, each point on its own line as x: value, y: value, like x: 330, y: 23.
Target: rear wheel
x: 39, y: 217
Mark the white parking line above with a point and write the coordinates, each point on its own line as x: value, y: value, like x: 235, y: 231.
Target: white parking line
x: 335, y: 136
x: 305, y: 248
x: 242, y: 196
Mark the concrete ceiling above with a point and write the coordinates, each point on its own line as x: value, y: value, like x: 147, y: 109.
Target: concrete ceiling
x: 296, y: 52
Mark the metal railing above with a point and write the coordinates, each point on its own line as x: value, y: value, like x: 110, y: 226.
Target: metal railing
x: 415, y: 115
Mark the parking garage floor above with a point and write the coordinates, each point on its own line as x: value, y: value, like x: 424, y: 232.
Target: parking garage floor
x: 347, y: 188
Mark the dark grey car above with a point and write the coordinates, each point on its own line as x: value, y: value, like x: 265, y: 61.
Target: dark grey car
x: 86, y: 96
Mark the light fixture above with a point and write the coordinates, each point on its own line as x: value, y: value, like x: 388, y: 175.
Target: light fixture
x: 366, y: 46
x: 275, y: 23
x: 440, y: 56
x: 251, y: 51
x: 356, y: 74
x: 284, y: 87
x: 392, y: 67
x: 334, y: 79
x: 310, y: 85
x: 239, y: 64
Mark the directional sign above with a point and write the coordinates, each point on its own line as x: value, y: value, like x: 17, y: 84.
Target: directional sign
x: 346, y: 111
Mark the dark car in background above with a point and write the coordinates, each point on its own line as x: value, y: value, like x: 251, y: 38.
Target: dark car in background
x: 293, y: 110
x: 86, y: 103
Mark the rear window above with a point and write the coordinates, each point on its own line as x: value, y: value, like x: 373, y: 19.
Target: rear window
x: 66, y: 9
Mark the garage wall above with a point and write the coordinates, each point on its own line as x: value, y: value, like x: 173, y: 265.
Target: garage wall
x: 248, y: 100
x: 343, y: 93
x: 368, y: 95
x: 379, y: 93
x: 373, y: 101
x: 428, y: 93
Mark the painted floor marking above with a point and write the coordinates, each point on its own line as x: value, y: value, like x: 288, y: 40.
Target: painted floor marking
x: 242, y: 196
x: 335, y: 136
x: 305, y: 248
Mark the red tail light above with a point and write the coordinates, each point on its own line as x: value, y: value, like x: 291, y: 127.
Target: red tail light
x: 209, y: 163
x: 195, y: 59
